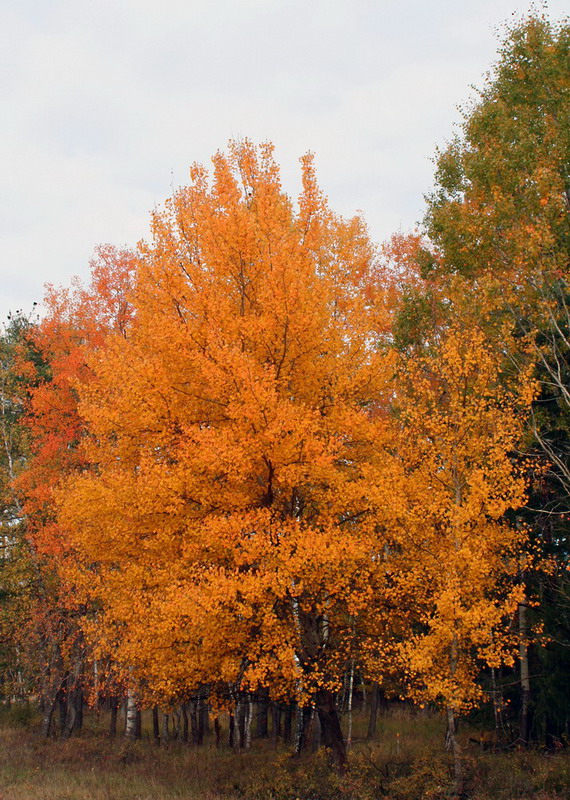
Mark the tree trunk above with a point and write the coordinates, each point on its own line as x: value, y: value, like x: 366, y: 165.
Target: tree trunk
x: 184, y: 723
x: 49, y: 708
x: 349, y: 705
x: 70, y: 718
x: 165, y: 731
x: 62, y: 706
x: 456, y: 750
x: 300, y: 727
x: 194, y: 722
x: 155, y: 725
x: 241, y: 718
x: 204, y: 714
x: 276, y: 723
x: 115, y: 703
x: 217, y: 731
x: 452, y: 725
x: 231, y: 731
x: 248, y: 721
x: 175, y: 723
x: 525, y: 677
x: 201, y: 714
x: 131, y: 718
x: 314, y: 733
x: 496, y: 705
x: 288, y: 723
x: 74, y: 697
x: 74, y: 718
x: 373, y: 711
x: 262, y: 715
x: 79, y: 704
x: 50, y: 696
x: 331, y: 732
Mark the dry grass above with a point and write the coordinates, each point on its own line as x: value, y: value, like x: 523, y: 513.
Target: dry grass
x: 94, y: 767
x: 98, y: 769
x: 406, y: 762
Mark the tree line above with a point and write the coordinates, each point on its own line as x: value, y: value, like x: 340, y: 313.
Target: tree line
x: 261, y: 458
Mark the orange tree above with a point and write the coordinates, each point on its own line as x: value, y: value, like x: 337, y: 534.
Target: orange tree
x: 54, y: 357
x: 453, y: 558
x: 461, y: 413
x: 222, y: 529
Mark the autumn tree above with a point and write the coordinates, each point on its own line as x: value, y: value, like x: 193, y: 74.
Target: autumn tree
x: 221, y: 529
x: 500, y: 220
x: 53, y: 359
x: 455, y: 558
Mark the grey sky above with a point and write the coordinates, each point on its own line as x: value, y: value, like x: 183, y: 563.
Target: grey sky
x: 106, y: 103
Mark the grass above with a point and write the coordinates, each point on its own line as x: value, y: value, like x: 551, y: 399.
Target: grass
x: 405, y: 762
x: 96, y: 768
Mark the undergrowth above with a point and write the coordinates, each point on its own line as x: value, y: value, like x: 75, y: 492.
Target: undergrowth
x: 407, y: 761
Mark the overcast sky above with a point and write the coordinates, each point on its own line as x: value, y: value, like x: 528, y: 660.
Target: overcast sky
x: 106, y: 103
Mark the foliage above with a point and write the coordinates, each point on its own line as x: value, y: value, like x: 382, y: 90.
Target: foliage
x: 225, y: 500
x: 18, y: 576
x: 500, y: 220
x: 500, y: 214
x: 458, y: 557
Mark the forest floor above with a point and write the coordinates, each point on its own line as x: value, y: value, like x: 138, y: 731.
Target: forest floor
x: 406, y: 762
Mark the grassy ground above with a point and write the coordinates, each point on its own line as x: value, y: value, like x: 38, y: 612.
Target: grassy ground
x: 406, y: 762
x: 92, y: 768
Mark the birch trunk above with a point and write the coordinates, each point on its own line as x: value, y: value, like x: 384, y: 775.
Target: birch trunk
x: 131, y: 718
x: 525, y: 677
x: 248, y: 721
x: 456, y: 750
x: 349, y: 704
x: 202, y: 715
